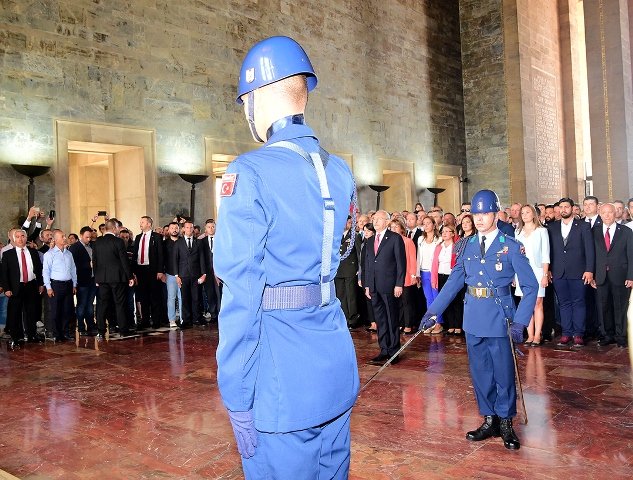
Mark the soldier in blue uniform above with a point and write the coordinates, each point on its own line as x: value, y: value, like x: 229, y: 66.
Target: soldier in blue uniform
x: 287, y: 368
x: 487, y: 264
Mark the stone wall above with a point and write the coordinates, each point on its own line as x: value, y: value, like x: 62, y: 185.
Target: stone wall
x: 485, y: 105
x: 541, y: 99
x: 512, y: 98
x: 389, y: 80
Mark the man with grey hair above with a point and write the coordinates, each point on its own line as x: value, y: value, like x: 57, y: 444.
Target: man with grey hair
x: 60, y: 280
x: 22, y: 283
x: 383, y: 276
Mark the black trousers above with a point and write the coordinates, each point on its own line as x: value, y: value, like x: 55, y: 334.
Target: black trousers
x: 454, y: 314
x: 386, y: 313
x: 149, y: 292
x: 190, y: 308
x: 60, y: 307
x: 408, y: 310
x: 26, y: 304
x: 613, y: 302
x: 346, y: 293
x: 112, y: 302
x: 214, y: 295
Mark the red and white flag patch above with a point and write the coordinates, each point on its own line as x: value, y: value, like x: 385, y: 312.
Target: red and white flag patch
x: 228, y: 184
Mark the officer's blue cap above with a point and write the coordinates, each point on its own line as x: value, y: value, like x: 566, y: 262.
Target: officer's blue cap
x: 485, y: 201
x: 271, y: 60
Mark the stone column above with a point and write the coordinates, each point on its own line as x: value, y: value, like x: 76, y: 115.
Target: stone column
x: 513, y: 98
x: 610, y: 95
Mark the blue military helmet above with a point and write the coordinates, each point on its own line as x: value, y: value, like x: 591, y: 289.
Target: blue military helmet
x: 271, y: 60
x: 484, y: 201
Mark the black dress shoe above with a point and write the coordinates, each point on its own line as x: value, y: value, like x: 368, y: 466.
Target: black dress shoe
x: 395, y: 360
x: 490, y: 428
x: 510, y: 439
x: 603, y: 342
x: 379, y: 360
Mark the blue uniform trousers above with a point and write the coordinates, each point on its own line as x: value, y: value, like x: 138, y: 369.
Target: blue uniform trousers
x: 492, y: 372
x: 430, y: 293
x: 571, y: 298
x: 317, y: 453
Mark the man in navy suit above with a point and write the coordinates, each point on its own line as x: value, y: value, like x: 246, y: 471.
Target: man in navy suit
x: 572, y: 256
x: 614, y: 276
x: 86, y: 286
x: 383, y: 277
x: 488, y: 264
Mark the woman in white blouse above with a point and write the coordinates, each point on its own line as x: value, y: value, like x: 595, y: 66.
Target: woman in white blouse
x: 426, y: 248
x: 531, y: 233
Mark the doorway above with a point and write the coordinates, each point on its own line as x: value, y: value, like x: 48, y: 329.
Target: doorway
x: 398, y: 197
x: 106, y: 177
x: 450, y: 198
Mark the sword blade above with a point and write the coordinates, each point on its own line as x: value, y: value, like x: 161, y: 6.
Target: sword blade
x: 388, y: 362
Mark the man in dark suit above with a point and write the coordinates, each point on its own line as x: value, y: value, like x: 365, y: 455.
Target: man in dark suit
x: 149, y: 268
x: 572, y: 256
x: 86, y: 286
x: 383, y: 277
x: 112, y: 272
x: 23, y: 285
x: 346, y: 277
x: 614, y: 276
x: 413, y: 231
x: 189, y: 264
x: 212, y: 285
x: 590, y: 209
x: 505, y: 228
x: 592, y: 322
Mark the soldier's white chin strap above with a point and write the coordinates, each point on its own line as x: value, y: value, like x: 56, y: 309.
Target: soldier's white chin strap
x: 251, y: 117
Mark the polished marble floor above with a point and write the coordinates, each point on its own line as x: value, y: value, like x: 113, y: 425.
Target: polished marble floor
x: 148, y: 407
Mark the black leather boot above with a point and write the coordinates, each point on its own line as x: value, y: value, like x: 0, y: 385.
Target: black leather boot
x: 490, y: 428
x: 510, y: 439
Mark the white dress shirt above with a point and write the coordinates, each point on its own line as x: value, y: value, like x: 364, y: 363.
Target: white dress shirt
x: 565, y: 228
x: 145, y: 238
x: 29, y: 262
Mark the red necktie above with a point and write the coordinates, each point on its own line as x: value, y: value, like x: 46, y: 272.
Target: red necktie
x: 607, y: 240
x: 376, y: 244
x: 25, y: 268
x: 142, y: 249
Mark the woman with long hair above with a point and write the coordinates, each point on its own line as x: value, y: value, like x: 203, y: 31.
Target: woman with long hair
x: 426, y: 248
x: 407, y: 299
x: 444, y: 259
x: 467, y: 226
x: 531, y: 233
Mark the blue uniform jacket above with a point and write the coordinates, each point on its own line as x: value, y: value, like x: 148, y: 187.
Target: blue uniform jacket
x: 295, y: 368
x: 482, y: 316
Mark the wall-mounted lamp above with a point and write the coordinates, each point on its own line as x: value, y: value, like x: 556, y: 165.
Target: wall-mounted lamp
x: 193, y: 179
x: 31, y: 171
x: 378, y: 189
x: 435, y: 191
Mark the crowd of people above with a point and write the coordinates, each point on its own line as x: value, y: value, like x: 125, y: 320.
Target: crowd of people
x: 105, y: 279
x: 581, y: 255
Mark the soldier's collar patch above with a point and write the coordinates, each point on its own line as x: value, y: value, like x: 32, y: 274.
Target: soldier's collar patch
x: 228, y: 184
x: 502, y: 239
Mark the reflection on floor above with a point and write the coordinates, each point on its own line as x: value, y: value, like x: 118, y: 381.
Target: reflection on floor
x: 148, y: 407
